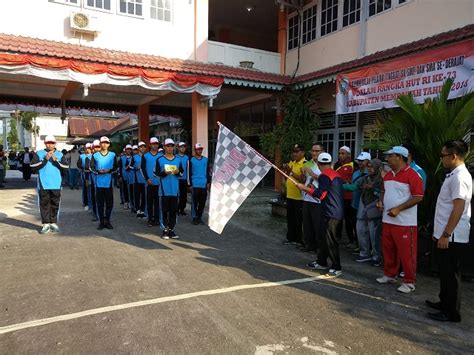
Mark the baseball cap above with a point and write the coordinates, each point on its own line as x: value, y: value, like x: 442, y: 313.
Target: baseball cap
x: 324, y: 158
x: 154, y: 140
x: 128, y: 146
x: 198, y: 146
x: 346, y: 148
x: 141, y: 143
x: 104, y: 139
x: 49, y: 139
x: 298, y: 147
x: 96, y: 143
x: 181, y: 144
x: 134, y: 147
x: 398, y: 150
x: 88, y: 145
x: 169, y: 141
x: 364, y: 156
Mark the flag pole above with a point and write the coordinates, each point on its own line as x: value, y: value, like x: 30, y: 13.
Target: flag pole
x: 268, y: 161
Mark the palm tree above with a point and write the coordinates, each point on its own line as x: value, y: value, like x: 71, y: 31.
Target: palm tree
x: 428, y: 126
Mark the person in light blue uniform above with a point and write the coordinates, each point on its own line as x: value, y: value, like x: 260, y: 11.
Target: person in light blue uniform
x: 198, y: 182
x: 168, y: 168
x: 148, y: 165
x: 124, y: 174
x: 49, y: 163
x: 93, y: 180
x: 85, y: 176
x: 103, y: 165
x: 140, y: 197
x: 183, y: 180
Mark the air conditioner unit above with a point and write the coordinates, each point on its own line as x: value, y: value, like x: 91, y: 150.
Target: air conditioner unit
x: 83, y: 22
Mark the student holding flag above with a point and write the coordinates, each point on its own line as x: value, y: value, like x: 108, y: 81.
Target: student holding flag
x: 168, y: 168
x: 103, y: 165
x: 198, y: 182
x: 49, y: 163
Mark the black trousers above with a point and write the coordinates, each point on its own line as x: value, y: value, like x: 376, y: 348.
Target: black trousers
x: 169, y: 208
x: 329, y: 243
x: 350, y: 220
x: 294, y: 220
x: 183, y: 194
x: 153, y: 203
x: 450, y: 279
x: 311, y: 224
x: 139, y: 196
x: 85, y: 188
x: 131, y: 195
x: 94, y: 199
x: 49, y: 205
x: 26, y: 172
x: 199, y: 201
x: 124, y: 187
x: 105, y: 202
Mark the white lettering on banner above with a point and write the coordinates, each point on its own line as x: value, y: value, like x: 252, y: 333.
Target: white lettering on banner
x: 421, y: 75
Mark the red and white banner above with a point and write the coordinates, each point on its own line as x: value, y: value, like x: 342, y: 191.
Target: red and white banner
x: 422, y: 75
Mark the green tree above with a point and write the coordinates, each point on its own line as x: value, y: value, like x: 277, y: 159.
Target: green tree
x: 427, y: 126
x: 27, y: 120
x: 12, y: 136
x: 299, y: 125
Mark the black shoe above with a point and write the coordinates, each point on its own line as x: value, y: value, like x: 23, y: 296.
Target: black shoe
x: 434, y: 305
x: 200, y: 221
x: 2, y: 186
x: 172, y: 234
x: 182, y: 213
x: 108, y: 225
x: 441, y: 317
x: 287, y: 242
x: 151, y: 223
x: 101, y: 226
x: 165, y: 235
x: 94, y: 219
x: 376, y: 263
x: 195, y: 221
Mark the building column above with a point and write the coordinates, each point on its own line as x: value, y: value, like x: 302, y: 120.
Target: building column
x: 282, y: 30
x: 278, y: 162
x: 144, y: 123
x: 200, y: 122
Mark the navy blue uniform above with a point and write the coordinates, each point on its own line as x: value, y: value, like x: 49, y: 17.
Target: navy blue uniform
x: 183, y: 185
x: 148, y: 165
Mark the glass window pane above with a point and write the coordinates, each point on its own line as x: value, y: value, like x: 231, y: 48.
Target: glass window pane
x: 107, y: 4
x: 123, y: 6
x: 139, y: 9
x: 99, y: 3
x: 168, y: 16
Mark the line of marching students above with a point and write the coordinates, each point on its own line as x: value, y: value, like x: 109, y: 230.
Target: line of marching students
x: 153, y: 182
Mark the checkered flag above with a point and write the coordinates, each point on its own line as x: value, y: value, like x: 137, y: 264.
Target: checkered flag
x: 238, y: 168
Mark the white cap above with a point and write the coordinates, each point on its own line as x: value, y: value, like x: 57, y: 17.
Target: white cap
x: 324, y: 158
x: 198, y: 146
x: 180, y: 144
x: 364, y: 156
x: 49, y: 139
x: 141, y: 143
x: 169, y: 141
x: 96, y: 143
x: 154, y: 140
x: 88, y: 145
x: 128, y: 146
x: 135, y: 147
x: 346, y: 148
x: 104, y: 139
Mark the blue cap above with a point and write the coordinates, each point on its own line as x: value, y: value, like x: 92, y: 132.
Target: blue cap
x: 398, y: 150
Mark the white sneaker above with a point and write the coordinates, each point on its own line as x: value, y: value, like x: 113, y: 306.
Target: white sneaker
x: 335, y: 273
x: 315, y: 266
x: 46, y: 228
x: 86, y: 208
x: 406, y: 288
x: 54, y: 227
x: 386, y: 280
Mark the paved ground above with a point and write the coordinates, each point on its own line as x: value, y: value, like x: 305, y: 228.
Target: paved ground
x: 140, y: 294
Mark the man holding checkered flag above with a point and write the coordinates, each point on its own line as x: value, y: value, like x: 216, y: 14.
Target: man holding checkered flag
x: 238, y: 168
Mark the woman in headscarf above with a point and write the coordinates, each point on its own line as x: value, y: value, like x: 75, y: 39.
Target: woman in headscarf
x: 369, y: 217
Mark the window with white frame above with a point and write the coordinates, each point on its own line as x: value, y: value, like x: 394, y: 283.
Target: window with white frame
x: 70, y: 1
x: 293, y: 32
x: 309, y: 24
x: 329, y: 10
x: 351, y: 13
x: 378, y: 6
x: 131, y: 7
x: 99, y: 4
x: 160, y: 10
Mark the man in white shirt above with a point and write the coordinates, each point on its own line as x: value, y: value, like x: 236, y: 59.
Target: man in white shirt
x: 451, y: 230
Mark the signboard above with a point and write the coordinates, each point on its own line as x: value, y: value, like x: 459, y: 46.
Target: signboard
x: 422, y: 75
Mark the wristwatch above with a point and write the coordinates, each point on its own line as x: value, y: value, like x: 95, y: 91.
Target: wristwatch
x: 445, y: 235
